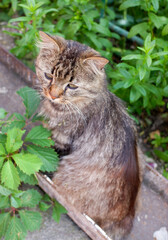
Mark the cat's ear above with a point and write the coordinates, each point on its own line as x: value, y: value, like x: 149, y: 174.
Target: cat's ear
x: 50, y: 42
x: 97, y: 61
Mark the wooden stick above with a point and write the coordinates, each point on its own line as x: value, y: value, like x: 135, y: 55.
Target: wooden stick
x: 82, y: 220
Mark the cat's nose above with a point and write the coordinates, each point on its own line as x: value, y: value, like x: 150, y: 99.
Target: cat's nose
x: 55, y: 92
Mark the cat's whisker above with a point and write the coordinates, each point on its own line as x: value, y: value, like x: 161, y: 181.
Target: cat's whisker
x: 80, y: 114
x: 76, y: 117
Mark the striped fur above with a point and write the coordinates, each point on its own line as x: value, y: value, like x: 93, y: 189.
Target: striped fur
x: 99, y: 171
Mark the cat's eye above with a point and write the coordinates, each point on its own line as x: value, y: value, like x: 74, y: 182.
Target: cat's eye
x: 72, y: 86
x: 48, y: 76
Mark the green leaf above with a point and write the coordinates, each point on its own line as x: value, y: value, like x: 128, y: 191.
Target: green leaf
x: 14, y: 142
x: 31, y: 220
x: 165, y: 30
x: 129, y: 3
x: 39, y: 135
x: 106, y: 42
x: 46, y: 198
x: 3, y: 113
x: 30, y: 198
x: 165, y: 173
x: 28, y: 163
x: 9, y: 175
x: 140, y: 88
x: 101, y: 29
x: 73, y: 28
x: 31, y: 100
x: 4, y: 191
x: 20, y: 19
x: 2, y: 150
x: 26, y: 178
x: 4, y: 222
x: 148, y: 60
x: 159, y: 54
x: 1, y: 161
x: 158, y: 21
x: 39, y: 4
x: 147, y: 43
x: 151, y: 88
x: 118, y: 85
x: 129, y: 83
x: 142, y: 72
x: 15, y: 202
x: 87, y: 22
x: 134, y: 94
x: 155, y: 4
x: 4, y: 202
x: 140, y: 29
x: 145, y: 101
x: 36, y: 117
x: 3, y: 138
x: 133, y: 56
x: 19, y: 116
x: 48, y: 11
x: 111, y: 13
x: 24, y: 6
x: 57, y: 211
x: 125, y: 73
x: 48, y: 156
x: 93, y: 14
x: 44, y: 206
x: 15, y: 230
x: 165, y: 91
x: 16, y: 123
x: 162, y: 155
x: 94, y: 39
x: 14, y: 5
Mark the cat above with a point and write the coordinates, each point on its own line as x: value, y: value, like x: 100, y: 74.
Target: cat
x: 99, y: 172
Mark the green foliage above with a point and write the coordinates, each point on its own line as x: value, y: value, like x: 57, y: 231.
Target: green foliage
x: 39, y: 136
x: 3, y: 113
x: 160, y: 147
x: 57, y: 211
x: 9, y: 175
x: 31, y: 100
x: 48, y: 157
x: 70, y: 19
x: 143, y: 81
x: 22, y: 154
x: 160, y: 144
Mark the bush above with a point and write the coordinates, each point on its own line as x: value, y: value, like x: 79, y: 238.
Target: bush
x: 22, y: 154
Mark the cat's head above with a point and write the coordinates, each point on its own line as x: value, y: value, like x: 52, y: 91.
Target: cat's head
x: 68, y: 70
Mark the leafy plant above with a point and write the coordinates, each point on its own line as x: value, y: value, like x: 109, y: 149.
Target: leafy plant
x: 160, y: 144
x: 22, y: 154
x: 8, y: 8
x: 70, y: 19
x: 143, y: 82
x: 28, y: 27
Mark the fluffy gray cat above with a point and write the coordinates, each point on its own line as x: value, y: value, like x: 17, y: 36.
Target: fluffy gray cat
x: 99, y: 171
